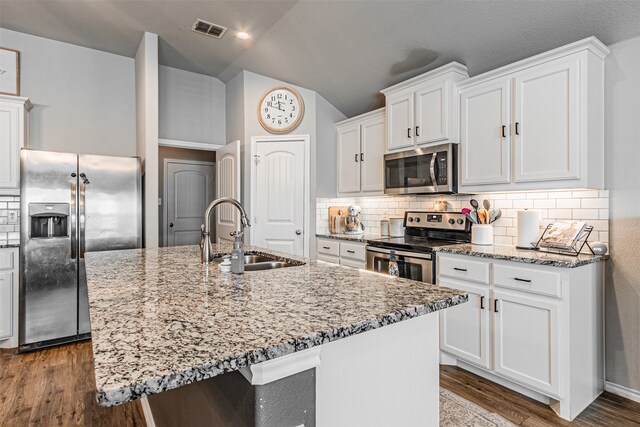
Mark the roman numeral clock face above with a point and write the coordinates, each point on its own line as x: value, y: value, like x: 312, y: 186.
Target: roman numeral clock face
x: 280, y: 110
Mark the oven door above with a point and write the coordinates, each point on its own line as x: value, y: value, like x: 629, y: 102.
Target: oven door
x: 411, y: 265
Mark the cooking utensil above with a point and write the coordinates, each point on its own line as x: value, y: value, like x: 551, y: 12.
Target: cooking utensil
x: 499, y: 215
x: 466, y: 211
x: 486, y: 204
x: 474, y: 204
x: 470, y: 217
x: 492, y: 216
x: 482, y: 216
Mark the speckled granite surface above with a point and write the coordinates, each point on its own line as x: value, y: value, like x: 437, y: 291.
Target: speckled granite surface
x: 9, y: 245
x: 510, y: 253
x: 364, y: 238
x: 160, y: 319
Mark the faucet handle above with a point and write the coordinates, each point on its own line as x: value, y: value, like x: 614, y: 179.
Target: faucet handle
x: 237, y: 234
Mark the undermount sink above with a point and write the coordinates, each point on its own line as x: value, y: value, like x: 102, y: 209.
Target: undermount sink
x: 255, y: 262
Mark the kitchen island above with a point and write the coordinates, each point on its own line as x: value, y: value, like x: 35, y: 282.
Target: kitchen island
x: 327, y: 344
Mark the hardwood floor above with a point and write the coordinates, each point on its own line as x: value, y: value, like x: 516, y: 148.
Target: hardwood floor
x: 608, y: 410
x: 56, y: 387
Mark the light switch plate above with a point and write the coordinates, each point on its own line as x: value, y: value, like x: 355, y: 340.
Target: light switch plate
x: 12, y: 217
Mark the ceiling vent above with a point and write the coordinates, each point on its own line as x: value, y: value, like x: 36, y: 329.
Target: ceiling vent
x: 209, y: 29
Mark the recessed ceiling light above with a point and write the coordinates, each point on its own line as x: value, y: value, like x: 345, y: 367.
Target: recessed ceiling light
x: 243, y: 35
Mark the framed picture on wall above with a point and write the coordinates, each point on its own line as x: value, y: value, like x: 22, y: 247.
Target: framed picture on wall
x: 9, y: 71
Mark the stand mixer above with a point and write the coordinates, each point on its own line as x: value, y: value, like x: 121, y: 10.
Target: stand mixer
x: 352, y: 224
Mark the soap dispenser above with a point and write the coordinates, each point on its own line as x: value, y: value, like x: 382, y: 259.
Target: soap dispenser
x: 237, y: 255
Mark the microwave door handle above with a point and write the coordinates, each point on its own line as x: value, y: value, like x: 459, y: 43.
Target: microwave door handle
x: 432, y: 171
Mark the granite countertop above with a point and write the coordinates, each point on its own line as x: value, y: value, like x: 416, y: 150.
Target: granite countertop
x: 511, y: 253
x: 9, y: 245
x: 364, y: 238
x: 161, y: 319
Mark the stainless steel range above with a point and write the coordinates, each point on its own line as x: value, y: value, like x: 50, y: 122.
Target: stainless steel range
x: 423, y: 232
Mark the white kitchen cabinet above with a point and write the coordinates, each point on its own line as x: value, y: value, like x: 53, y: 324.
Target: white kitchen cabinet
x: 485, y: 115
x: 14, y: 135
x: 343, y: 252
x: 535, y: 124
x: 361, y: 147
x: 538, y: 329
x: 424, y: 109
x: 526, y: 339
x: 464, y: 329
x: 8, y: 297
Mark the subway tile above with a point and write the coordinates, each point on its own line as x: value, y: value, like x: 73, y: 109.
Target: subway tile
x: 585, y: 194
x: 584, y: 214
x: 536, y: 195
x: 603, y: 193
x: 604, y: 236
x: 515, y: 196
x: 503, y: 240
x: 568, y: 203
x: 600, y: 203
x: 599, y: 225
x: 13, y: 205
x: 560, y: 194
x: 503, y: 204
x: 13, y: 235
x: 560, y: 213
x: 523, y: 204
x: 544, y: 204
x: 604, y: 213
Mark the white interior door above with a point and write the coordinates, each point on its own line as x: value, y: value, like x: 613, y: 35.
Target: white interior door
x: 228, y: 185
x: 280, y: 196
x: 189, y: 191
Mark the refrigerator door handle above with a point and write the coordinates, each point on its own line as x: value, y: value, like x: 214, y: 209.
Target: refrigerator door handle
x: 81, y: 214
x: 73, y: 231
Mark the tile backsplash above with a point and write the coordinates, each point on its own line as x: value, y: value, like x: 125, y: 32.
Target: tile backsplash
x: 591, y: 206
x: 9, y: 230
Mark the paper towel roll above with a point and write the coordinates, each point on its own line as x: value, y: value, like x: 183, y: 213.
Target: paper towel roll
x: 528, y: 228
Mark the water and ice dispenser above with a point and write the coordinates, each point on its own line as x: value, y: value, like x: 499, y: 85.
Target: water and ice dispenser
x: 47, y: 220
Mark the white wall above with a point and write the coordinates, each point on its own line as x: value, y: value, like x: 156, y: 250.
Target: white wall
x: 192, y: 107
x: 235, y: 108
x: 326, y: 147
x: 84, y: 99
x: 622, y: 152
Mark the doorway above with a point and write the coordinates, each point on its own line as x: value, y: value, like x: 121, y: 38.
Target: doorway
x: 279, y: 195
x: 188, y: 189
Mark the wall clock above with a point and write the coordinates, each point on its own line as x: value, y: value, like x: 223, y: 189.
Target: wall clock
x: 280, y: 109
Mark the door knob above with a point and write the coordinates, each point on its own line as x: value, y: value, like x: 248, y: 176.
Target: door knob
x: 298, y: 232
x: 170, y: 225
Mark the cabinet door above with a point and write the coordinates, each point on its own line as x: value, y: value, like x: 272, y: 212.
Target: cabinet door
x: 349, y: 158
x: 464, y: 329
x: 547, y: 131
x: 399, y: 121
x: 10, y: 140
x: 6, y: 304
x: 432, y: 113
x: 485, y: 141
x: 526, y: 339
x: 372, y: 160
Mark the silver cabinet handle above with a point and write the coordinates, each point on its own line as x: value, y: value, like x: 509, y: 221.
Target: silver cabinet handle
x: 298, y: 232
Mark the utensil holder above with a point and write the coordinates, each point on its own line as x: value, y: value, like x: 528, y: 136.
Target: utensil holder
x: 482, y: 234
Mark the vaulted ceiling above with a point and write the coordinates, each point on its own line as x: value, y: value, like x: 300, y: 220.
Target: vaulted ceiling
x: 346, y: 50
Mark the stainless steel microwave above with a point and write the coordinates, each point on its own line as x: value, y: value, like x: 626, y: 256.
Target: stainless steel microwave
x: 428, y: 170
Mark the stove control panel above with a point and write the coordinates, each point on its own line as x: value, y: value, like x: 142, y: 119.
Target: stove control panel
x: 435, y: 220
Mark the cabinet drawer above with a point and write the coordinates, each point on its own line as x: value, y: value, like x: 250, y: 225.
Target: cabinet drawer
x: 354, y: 251
x: 353, y: 263
x: 463, y: 268
x: 329, y: 247
x: 6, y: 259
x: 329, y: 258
x: 527, y: 279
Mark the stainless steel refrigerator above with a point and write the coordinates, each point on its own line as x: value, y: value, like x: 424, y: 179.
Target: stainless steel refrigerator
x: 70, y: 204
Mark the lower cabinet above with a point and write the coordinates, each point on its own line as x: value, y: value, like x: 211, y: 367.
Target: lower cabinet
x: 8, y: 297
x: 351, y: 254
x: 521, y: 329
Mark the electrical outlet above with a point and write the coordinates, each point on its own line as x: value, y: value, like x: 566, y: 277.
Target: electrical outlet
x: 159, y: 201
x: 12, y: 217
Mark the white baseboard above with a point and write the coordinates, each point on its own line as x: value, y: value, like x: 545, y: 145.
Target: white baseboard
x: 146, y: 410
x: 623, y: 391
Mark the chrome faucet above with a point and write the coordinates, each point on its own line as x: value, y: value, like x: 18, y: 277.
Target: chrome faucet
x: 206, y: 228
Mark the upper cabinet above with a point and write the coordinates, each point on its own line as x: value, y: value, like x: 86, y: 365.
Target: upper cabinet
x: 361, y: 147
x: 424, y: 109
x: 14, y: 134
x: 537, y: 123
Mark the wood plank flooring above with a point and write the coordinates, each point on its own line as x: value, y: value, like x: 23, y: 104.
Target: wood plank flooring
x: 55, y: 387
x: 608, y: 410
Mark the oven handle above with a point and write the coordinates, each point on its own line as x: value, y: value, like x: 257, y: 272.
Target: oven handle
x: 401, y: 253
